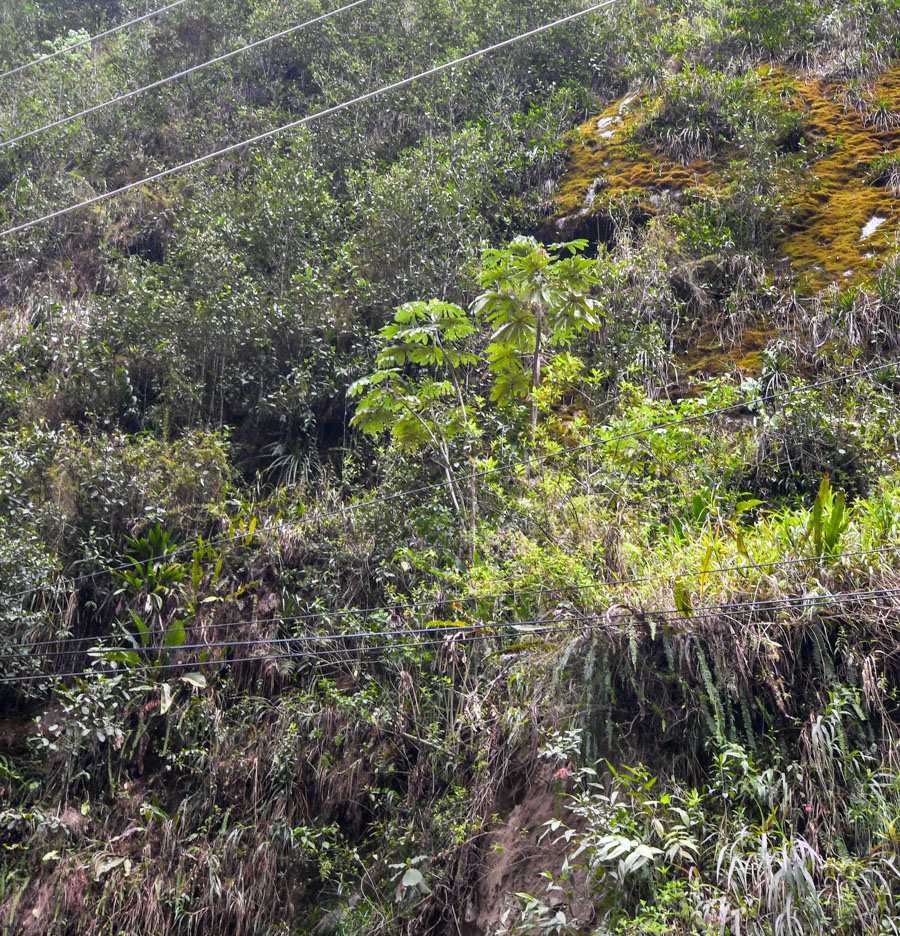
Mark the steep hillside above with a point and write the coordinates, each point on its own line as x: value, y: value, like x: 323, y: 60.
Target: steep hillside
x: 475, y: 511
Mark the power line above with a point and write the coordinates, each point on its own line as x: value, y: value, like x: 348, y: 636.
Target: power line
x: 787, y: 602
x: 595, y: 622
x: 459, y: 599
x: 102, y: 35
x: 308, y: 119
x: 390, y: 636
x: 188, y: 71
x: 313, y: 654
x: 437, y: 485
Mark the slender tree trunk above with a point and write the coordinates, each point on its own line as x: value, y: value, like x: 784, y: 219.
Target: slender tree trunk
x: 536, y: 367
x: 473, y: 506
x: 458, y: 502
x: 441, y: 447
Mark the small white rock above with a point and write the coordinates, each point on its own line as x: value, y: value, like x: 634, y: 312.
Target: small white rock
x: 871, y: 226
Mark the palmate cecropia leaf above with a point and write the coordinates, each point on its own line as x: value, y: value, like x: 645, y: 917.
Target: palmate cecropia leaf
x: 371, y: 380
x: 411, y: 409
x: 422, y: 333
x: 510, y: 385
x: 424, y: 321
x: 416, y: 354
x: 524, y: 282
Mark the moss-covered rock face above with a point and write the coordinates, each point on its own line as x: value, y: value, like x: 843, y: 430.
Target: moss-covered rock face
x: 605, y: 160
x: 845, y: 218
x: 840, y: 211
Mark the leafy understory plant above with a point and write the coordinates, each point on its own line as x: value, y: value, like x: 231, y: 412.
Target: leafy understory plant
x: 828, y: 519
x: 533, y: 298
x: 146, y: 653
x: 417, y: 391
x: 411, y: 883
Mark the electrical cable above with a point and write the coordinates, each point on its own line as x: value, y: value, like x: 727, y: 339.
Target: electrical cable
x: 188, y: 71
x: 390, y: 636
x: 369, y: 95
x: 312, y: 654
x: 555, y: 627
x: 494, y: 596
x: 607, y: 619
x: 102, y: 35
x: 387, y: 498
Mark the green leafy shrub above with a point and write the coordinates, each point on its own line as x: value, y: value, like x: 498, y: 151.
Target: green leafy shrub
x: 805, y: 439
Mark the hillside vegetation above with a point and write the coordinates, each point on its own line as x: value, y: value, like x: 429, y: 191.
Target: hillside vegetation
x: 474, y: 512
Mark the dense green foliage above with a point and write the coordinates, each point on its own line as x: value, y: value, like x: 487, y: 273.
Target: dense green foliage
x: 619, y: 665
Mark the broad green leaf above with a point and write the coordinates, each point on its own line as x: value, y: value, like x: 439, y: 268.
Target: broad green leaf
x: 682, y: 597
x: 704, y: 567
x: 106, y: 864
x: 118, y: 656
x: 174, y: 636
x: 143, y: 630
x: 746, y: 505
x: 836, y: 522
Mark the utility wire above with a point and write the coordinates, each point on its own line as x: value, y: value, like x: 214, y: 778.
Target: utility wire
x: 459, y: 599
x: 311, y: 654
x: 390, y: 636
x: 188, y: 71
x: 607, y: 620
x: 102, y: 35
x: 437, y: 485
x: 594, y: 622
x: 369, y: 95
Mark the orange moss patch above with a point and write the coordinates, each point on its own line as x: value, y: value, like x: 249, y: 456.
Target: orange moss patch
x: 707, y: 356
x: 602, y: 149
x: 832, y: 206
x: 825, y: 240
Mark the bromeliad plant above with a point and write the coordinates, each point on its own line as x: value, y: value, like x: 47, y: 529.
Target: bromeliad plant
x: 152, y: 574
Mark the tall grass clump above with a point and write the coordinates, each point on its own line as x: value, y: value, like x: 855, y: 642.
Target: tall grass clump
x: 699, y: 112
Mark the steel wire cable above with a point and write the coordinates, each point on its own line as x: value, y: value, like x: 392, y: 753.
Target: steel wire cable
x: 493, y: 596
x: 102, y: 35
x: 182, y: 74
x: 307, y: 654
x: 598, y: 621
x: 438, y: 485
x: 319, y: 653
x: 302, y: 121
x: 391, y: 636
